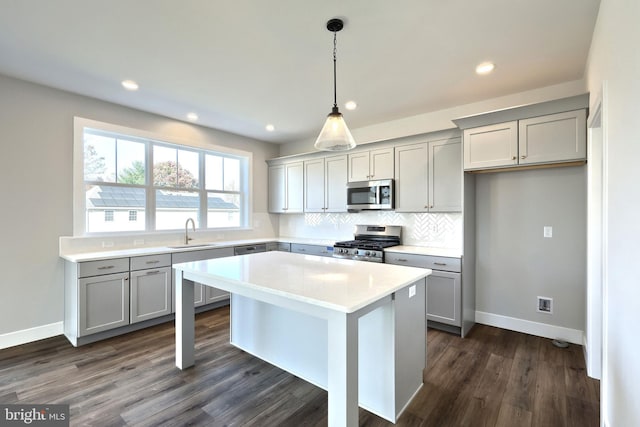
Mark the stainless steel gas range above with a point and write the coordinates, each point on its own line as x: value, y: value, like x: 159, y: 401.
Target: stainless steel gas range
x: 369, y: 243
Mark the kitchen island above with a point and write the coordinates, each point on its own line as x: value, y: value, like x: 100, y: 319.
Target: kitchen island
x: 356, y: 329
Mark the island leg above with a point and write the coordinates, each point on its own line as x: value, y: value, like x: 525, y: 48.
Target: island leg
x: 343, y: 369
x: 185, y: 322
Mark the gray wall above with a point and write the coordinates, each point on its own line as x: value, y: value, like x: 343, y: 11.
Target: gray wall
x: 36, y: 145
x: 515, y: 263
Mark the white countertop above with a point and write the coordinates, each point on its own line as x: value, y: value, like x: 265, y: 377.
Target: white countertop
x: 194, y: 246
x: 342, y: 285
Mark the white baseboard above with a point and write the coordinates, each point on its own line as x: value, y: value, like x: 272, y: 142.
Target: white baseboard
x: 29, y: 335
x: 573, y: 336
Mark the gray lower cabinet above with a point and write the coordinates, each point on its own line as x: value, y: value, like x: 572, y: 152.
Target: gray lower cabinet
x: 96, y: 297
x: 444, y: 298
x: 278, y: 246
x: 150, y: 287
x: 299, y: 248
x: 444, y: 289
x: 203, y: 294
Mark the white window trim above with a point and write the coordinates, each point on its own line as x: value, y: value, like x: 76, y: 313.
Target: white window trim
x: 79, y: 207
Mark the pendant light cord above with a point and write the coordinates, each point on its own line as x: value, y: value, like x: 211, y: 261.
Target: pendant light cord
x: 335, y: 96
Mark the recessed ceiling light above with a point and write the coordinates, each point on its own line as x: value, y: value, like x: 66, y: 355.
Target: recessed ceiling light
x: 351, y: 105
x: 192, y: 116
x: 485, y: 68
x: 130, y: 85
x: 270, y: 127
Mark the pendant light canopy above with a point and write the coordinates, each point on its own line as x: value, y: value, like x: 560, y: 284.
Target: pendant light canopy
x: 335, y: 135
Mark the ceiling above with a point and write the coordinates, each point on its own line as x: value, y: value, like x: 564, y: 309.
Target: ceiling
x: 243, y: 64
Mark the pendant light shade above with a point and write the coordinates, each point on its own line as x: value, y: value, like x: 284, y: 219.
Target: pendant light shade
x: 335, y: 135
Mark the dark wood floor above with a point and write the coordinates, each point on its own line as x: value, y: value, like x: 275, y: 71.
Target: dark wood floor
x: 493, y: 377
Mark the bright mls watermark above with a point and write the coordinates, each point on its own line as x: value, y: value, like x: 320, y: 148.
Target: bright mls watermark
x: 34, y: 415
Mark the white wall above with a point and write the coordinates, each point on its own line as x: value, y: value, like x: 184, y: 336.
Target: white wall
x: 515, y: 263
x: 36, y: 143
x: 615, y: 58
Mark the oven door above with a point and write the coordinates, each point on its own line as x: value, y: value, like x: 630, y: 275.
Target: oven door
x: 370, y: 195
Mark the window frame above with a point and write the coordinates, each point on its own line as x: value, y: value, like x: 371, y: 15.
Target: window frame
x: 152, y: 139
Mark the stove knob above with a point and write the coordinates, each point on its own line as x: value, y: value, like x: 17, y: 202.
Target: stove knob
x: 367, y: 253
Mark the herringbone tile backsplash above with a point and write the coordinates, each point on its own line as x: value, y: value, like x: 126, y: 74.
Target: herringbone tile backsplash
x: 442, y: 230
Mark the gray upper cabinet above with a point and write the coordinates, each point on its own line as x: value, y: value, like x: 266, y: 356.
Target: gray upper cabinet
x: 372, y: 164
x: 429, y: 176
x: 551, y: 138
x: 286, y: 188
x: 491, y: 146
x: 325, y: 181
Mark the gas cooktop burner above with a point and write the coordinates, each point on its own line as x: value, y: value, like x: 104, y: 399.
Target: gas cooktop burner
x: 370, y: 240
x: 364, y: 244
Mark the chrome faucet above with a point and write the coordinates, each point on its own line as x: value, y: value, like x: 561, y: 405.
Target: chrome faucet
x: 186, y: 230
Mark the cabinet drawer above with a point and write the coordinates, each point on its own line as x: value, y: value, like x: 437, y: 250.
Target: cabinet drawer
x: 106, y: 266
x: 312, y: 249
x: 424, y: 261
x: 150, y: 261
x: 278, y: 246
x: 179, y: 257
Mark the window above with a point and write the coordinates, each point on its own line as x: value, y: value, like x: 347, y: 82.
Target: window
x: 136, y: 182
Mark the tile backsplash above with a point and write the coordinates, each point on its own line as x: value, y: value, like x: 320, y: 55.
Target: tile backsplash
x: 441, y: 230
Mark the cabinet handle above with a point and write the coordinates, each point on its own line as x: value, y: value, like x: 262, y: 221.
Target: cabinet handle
x: 106, y: 267
x: 126, y: 279
x: 431, y: 207
x: 402, y: 260
x: 153, y: 272
x: 523, y: 157
x: 439, y: 263
x: 153, y: 262
x: 514, y: 157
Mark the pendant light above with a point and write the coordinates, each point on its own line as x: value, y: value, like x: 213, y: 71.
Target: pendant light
x: 335, y: 135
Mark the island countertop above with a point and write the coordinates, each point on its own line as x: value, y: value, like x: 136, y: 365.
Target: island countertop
x: 336, y: 284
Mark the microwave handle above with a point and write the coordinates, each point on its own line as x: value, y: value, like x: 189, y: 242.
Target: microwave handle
x: 378, y: 194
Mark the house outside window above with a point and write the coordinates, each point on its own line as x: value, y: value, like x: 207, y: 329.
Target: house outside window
x: 134, y: 183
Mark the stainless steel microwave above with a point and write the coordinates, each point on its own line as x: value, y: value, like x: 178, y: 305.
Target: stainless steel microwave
x: 370, y: 195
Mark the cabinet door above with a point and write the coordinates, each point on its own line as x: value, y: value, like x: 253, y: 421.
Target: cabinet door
x: 277, y: 188
x: 444, y: 302
x: 103, y: 303
x: 381, y: 163
x: 335, y: 188
x: 445, y: 176
x: 359, y: 166
x: 553, y: 138
x: 295, y: 189
x: 314, y: 190
x: 411, y: 178
x: 150, y: 294
x: 491, y: 146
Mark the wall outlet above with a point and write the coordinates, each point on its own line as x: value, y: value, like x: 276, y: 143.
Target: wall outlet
x: 107, y: 244
x: 412, y: 291
x: 545, y: 305
x: 548, y: 231
x: 138, y: 242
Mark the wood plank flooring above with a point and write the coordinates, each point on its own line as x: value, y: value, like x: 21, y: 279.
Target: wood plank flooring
x: 493, y: 377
